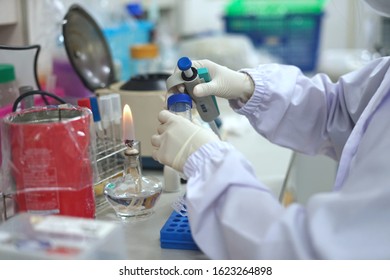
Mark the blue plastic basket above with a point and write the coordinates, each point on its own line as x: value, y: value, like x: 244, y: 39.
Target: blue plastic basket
x: 294, y: 38
x: 176, y: 233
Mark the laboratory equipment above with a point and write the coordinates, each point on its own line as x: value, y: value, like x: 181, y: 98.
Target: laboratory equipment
x: 133, y: 196
x: 180, y: 104
x: 176, y: 233
x: 117, y: 115
x: 66, y: 77
x: 190, y: 76
x: 8, y: 87
x: 96, y: 112
x: 49, y: 160
x: 27, y: 102
x: 144, y: 59
x: 109, y: 148
x: 90, y: 55
x: 107, y: 115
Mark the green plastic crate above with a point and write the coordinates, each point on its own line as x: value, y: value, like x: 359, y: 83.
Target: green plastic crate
x: 287, y: 29
x: 273, y: 8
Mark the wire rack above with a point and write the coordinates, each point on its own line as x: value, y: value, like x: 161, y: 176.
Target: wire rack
x: 109, y: 162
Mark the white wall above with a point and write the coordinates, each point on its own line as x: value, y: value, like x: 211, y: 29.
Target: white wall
x: 12, y: 25
x: 199, y: 16
x: 349, y: 24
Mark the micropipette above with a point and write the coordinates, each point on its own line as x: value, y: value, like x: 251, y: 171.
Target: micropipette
x: 190, y: 76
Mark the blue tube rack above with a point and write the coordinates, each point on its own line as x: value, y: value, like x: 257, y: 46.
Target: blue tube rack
x: 176, y: 233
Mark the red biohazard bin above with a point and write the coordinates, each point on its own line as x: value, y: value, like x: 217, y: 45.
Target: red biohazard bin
x: 48, y: 161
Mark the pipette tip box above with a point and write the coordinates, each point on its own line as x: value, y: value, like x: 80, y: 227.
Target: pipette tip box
x: 176, y: 233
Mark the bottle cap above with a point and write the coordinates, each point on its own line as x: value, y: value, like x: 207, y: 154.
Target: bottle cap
x: 179, y: 98
x: 141, y: 51
x: 84, y: 102
x: 135, y: 9
x: 184, y: 63
x: 7, y: 73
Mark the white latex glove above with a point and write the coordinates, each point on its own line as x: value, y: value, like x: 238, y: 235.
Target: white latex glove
x: 225, y: 83
x: 177, y: 138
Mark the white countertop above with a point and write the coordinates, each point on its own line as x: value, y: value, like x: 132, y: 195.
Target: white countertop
x: 143, y: 236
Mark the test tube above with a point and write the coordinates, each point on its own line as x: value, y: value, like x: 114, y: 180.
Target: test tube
x: 96, y: 116
x: 106, y: 109
x: 102, y: 145
x: 180, y: 104
x: 117, y: 116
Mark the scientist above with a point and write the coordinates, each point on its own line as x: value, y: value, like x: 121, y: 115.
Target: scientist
x: 234, y: 216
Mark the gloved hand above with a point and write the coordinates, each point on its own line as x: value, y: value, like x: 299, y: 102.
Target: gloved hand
x: 225, y: 83
x: 177, y: 138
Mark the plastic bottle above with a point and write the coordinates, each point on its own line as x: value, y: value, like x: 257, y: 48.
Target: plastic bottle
x: 145, y: 59
x: 180, y: 104
x: 8, y: 87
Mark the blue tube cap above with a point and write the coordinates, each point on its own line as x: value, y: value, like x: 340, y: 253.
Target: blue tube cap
x: 179, y: 98
x: 184, y: 63
x: 135, y: 9
x: 95, y: 109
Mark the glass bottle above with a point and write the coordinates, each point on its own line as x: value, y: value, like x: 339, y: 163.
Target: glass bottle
x: 8, y: 86
x: 144, y: 59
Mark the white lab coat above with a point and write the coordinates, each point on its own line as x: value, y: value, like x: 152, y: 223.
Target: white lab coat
x: 233, y: 215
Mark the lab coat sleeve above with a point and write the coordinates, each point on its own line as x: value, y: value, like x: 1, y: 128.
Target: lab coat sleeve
x: 311, y: 115
x: 233, y: 215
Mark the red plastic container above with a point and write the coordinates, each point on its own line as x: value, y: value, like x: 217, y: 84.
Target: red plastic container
x: 49, y: 161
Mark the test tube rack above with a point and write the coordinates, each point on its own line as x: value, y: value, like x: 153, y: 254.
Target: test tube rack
x: 176, y: 233
x: 109, y: 163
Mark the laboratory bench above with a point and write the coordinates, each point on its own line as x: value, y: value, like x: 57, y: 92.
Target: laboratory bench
x: 142, y: 236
